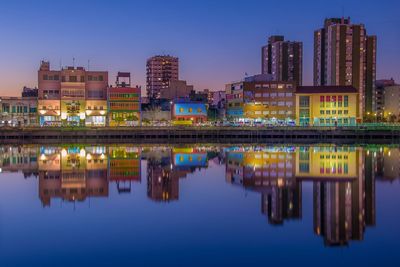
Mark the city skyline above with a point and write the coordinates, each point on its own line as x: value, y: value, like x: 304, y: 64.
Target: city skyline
x: 208, y: 59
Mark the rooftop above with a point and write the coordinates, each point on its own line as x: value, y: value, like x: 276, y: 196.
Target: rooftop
x: 325, y: 89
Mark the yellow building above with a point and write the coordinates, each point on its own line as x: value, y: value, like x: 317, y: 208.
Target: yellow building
x: 328, y: 162
x: 327, y: 106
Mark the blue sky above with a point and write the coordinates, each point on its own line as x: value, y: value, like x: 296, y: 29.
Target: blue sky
x: 216, y: 41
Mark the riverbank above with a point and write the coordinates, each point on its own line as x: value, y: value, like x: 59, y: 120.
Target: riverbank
x: 174, y: 135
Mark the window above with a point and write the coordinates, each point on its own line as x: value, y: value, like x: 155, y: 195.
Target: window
x: 340, y: 101
x: 190, y: 110
x: 73, y: 79
x: 321, y: 101
x: 346, y: 112
x: 346, y: 101
x: 333, y: 101
x: 328, y: 112
x: 180, y: 109
x: 45, y: 77
x: 321, y: 112
x: 101, y: 78
x: 304, y: 101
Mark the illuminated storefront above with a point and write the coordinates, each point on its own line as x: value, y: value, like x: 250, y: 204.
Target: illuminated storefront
x: 96, y: 113
x: 189, y: 112
x: 49, y: 112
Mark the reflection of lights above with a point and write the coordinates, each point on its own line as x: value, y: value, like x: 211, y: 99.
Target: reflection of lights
x: 82, y: 153
x: 88, y: 156
x: 63, y: 116
x: 88, y: 112
x: 42, y: 157
x: 1, y: 170
x: 42, y: 112
x: 63, y: 152
x: 82, y: 116
x: 280, y: 182
x: 102, y: 112
x: 102, y: 156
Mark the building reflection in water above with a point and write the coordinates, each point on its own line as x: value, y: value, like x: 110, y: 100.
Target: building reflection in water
x: 342, y: 193
x: 343, y: 178
x: 72, y: 173
x: 124, y: 167
x: 165, y: 166
x: 269, y: 171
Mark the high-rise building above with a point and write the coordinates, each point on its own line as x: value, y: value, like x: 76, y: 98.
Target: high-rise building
x: 283, y: 60
x: 345, y: 55
x: 160, y: 71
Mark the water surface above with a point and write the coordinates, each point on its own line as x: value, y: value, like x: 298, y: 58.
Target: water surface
x: 126, y: 205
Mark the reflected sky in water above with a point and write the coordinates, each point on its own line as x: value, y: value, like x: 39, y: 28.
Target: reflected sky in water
x: 79, y: 205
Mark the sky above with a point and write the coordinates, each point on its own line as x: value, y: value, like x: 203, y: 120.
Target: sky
x: 216, y: 41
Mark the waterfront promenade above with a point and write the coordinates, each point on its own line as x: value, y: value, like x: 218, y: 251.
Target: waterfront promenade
x: 174, y: 135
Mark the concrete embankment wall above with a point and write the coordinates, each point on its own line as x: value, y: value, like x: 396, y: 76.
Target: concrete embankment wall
x: 199, y: 135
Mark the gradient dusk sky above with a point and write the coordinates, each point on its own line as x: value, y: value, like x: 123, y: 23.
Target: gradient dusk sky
x: 216, y: 41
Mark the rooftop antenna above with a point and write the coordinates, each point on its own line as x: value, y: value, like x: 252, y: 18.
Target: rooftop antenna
x: 60, y: 64
x: 73, y: 62
x: 88, y: 64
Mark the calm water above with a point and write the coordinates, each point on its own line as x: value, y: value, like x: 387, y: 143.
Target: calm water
x: 199, y: 205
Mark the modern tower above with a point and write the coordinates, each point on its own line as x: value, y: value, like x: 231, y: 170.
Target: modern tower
x: 283, y: 60
x: 160, y: 71
x: 345, y: 55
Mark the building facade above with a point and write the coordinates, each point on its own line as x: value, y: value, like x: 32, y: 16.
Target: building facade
x: 176, y: 89
x: 18, y: 111
x: 261, y: 100
x: 71, y: 96
x: 345, y: 55
x: 283, y: 60
x: 160, y: 71
x: 327, y: 106
x: 188, y: 112
x: 391, y: 108
x: 124, y: 108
